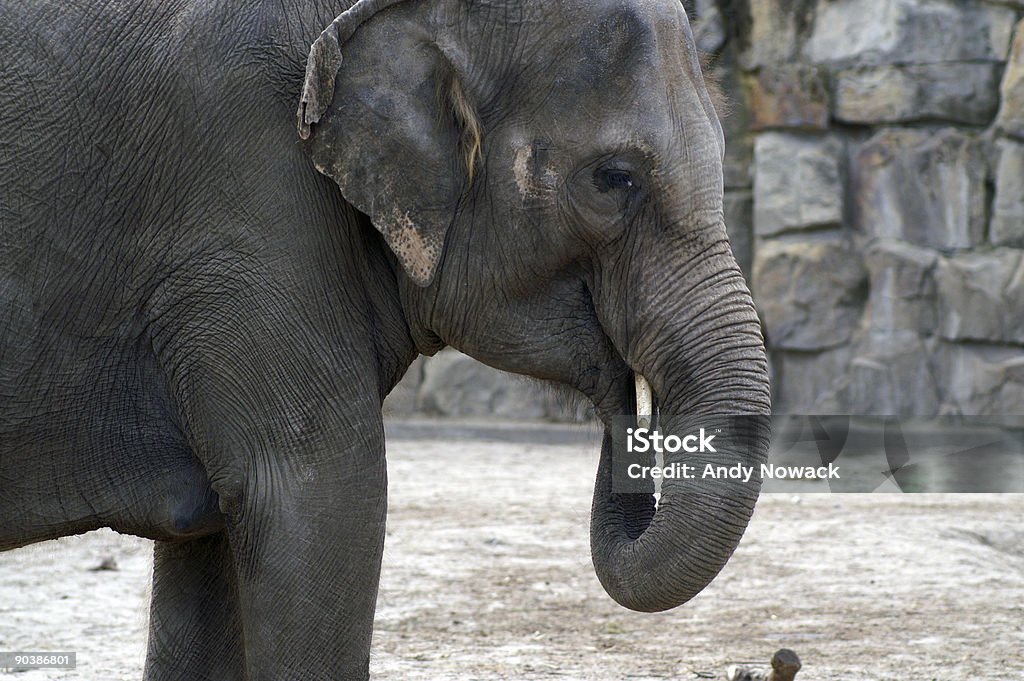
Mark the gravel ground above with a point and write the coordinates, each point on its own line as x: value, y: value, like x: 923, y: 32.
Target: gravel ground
x: 487, y: 575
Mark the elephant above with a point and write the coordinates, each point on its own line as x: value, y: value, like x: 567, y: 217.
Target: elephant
x: 222, y: 248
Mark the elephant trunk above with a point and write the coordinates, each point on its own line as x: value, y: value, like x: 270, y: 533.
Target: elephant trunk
x: 704, y: 362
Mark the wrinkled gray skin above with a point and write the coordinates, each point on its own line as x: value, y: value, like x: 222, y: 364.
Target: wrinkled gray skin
x: 197, y: 328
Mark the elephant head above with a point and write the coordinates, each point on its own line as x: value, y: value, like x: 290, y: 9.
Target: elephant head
x: 552, y: 198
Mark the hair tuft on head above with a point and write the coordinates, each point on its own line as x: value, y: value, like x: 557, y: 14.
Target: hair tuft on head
x: 454, y: 102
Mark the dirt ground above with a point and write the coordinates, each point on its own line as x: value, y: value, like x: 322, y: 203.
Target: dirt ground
x: 487, y: 575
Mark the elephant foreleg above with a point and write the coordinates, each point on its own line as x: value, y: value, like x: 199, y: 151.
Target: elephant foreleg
x: 195, y: 633
x: 308, y: 564
x: 278, y: 391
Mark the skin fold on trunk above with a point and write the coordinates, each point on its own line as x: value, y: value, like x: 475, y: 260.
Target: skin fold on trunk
x: 709, y: 372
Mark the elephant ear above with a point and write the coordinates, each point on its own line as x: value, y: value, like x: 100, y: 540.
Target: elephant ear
x: 382, y: 131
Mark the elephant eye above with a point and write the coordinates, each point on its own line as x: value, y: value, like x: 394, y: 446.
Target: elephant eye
x: 607, y: 179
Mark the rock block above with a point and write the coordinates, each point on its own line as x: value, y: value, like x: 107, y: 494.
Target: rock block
x: 774, y: 30
x: 1011, y: 111
x: 981, y: 379
x: 788, y: 96
x: 920, y: 186
x: 891, y: 373
x: 808, y: 382
x: 455, y: 385
x: 902, y: 296
x: 877, y: 32
x: 981, y: 296
x: 1007, y: 227
x: 956, y: 91
x: 797, y: 182
x: 810, y: 293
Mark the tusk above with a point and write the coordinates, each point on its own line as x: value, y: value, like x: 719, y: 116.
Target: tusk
x: 644, y: 401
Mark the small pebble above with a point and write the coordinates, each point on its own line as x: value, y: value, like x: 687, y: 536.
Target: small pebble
x: 108, y: 564
x: 785, y: 664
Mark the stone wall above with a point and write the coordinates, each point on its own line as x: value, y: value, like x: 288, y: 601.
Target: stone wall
x: 875, y: 200
x: 884, y: 169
